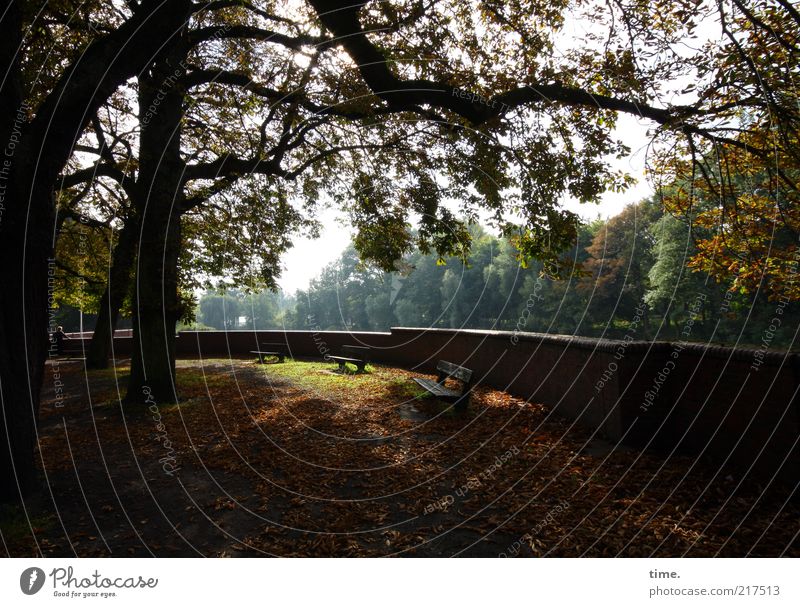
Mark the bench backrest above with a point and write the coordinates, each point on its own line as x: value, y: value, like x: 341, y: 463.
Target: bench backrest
x: 447, y: 369
x: 274, y: 347
x: 360, y: 352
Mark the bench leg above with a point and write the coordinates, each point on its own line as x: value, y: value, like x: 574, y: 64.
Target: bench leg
x: 341, y: 367
x: 361, y: 367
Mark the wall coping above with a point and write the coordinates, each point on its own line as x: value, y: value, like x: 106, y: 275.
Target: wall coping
x: 612, y: 345
x: 385, y: 333
x: 604, y: 345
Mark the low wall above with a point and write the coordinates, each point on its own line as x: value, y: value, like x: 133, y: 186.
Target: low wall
x: 733, y: 407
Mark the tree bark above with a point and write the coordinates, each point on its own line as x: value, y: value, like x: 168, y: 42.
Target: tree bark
x: 24, y: 249
x: 33, y: 154
x: 159, y: 201
x: 119, y: 282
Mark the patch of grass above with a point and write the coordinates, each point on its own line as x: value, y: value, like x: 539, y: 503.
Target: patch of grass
x: 15, y: 525
x: 119, y: 373
x: 193, y: 379
x: 323, y: 376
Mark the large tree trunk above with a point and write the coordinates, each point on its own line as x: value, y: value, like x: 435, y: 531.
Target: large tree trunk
x: 119, y: 282
x: 156, y: 312
x: 23, y: 340
x: 32, y: 156
x: 26, y: 219
x: 159, y: 200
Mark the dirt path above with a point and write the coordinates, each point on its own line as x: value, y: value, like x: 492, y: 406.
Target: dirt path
x: 294, y: 460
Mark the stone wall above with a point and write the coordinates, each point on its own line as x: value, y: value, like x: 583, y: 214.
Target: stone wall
x: 731, y: 407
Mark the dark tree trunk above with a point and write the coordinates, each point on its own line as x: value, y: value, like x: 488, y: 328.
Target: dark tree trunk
x: 119, y: 282
x: 156, y: 312
x: 32, y: 156
x: 26, y: 215
x: 157, y: 306
x: 24, y: 341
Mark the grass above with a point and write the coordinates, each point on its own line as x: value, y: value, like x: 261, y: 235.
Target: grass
x: 324, y: 376
x: 14, y: 524
x: 377, y: 380
x: 194, y: 380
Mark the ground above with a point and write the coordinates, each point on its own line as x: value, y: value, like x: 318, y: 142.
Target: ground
x: 295, y: 459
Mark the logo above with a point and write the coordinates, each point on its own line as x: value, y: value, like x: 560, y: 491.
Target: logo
x: 31, y: 580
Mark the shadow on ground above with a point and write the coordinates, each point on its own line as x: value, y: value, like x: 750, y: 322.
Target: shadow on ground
x: 294, y: 460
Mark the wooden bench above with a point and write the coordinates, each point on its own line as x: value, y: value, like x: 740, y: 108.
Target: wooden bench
x: 71, y: 348
x: 447, y: 371
x: 270, y: 351
x: 355, y: 355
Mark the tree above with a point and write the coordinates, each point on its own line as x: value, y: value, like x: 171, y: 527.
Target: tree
x: 739, y: 188
x: 39, y: 128
x: 267, y: 310
x: 160, y: 186
x: 672, y: 285
x: 220, y: 311
x: 620, y: 258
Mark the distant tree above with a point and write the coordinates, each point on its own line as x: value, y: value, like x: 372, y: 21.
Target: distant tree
x: 418, y: 292
x: 266, y: 310
x: 219, y: 311
x: 620, y: 258
x: 672, y: 285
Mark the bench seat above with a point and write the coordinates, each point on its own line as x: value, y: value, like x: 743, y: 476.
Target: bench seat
x: 436, y: 388
x: 355, y: 355
x: 343, y: 360
x: 447, y: 370
x: 346, y: 359
x: 73, y: 350
x: 262, y: 354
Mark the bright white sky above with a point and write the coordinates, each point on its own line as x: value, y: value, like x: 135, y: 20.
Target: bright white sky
x: 307, y: 258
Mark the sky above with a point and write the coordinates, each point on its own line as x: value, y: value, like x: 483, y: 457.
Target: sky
x: 308, y: 256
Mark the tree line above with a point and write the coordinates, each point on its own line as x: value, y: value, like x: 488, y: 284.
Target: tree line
x: 626, y: 276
